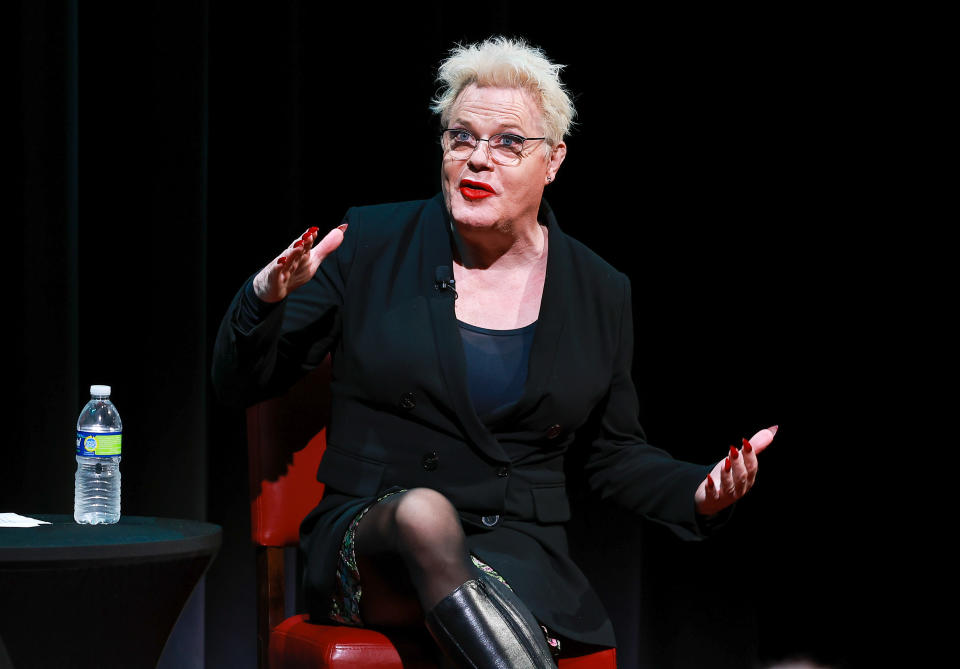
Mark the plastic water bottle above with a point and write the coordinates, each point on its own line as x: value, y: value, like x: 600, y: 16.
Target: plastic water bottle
x: 97, y: 492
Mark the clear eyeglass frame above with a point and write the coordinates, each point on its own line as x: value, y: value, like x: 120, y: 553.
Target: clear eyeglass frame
x: 501, y: 153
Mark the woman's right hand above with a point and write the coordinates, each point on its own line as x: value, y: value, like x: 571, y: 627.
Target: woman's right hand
x: 296, y: 265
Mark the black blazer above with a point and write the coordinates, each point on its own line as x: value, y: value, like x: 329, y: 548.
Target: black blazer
x: 401, y: 413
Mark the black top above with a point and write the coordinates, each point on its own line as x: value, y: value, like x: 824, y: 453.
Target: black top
x: 497, y: 363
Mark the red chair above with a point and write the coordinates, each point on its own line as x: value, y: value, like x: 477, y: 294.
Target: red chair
x: 286, y: 437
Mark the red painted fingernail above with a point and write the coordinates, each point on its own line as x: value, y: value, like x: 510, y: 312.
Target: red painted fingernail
x: 297, y: 243
x: 342, y: 227
x: 747, y: 446
x: 734, y: 453
x: 726, y: 466
x: 709, y: 482
x: 306, y: 235
x: 281, y: 260
x: 312, y: 231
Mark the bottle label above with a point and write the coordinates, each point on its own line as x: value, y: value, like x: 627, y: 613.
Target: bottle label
x: 98, y: 444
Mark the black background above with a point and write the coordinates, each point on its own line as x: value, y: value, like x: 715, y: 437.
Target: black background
x: 168, y: 149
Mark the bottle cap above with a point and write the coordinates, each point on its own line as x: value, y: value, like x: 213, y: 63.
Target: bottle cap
x: 100, y: 391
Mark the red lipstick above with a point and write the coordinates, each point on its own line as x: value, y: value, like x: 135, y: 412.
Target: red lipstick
x: 475, y: 190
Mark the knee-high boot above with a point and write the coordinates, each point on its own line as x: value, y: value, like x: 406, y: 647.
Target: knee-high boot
x: 484, y: 625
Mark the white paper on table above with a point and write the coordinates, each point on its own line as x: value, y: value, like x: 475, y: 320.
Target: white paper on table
x: 16, y: 520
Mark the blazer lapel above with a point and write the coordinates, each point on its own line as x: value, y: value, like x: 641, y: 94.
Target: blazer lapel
x: 553, y: 312
x: 437, y: 247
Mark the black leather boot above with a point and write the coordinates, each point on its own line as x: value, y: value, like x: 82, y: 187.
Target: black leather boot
x: 484, y: 625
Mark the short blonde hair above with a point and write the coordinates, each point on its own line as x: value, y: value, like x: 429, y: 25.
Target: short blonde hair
x: 500, y: 61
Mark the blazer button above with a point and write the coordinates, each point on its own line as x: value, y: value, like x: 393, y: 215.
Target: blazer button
x: 490, y: 521
x: 554, y: 431
x: 430, y: 461
x: 503, y: 471
x: 408, y: 401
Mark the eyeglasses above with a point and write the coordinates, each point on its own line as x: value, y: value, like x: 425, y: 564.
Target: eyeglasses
x: 506, y: 148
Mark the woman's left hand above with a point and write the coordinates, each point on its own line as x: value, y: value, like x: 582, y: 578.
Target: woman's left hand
x: 733, y: 476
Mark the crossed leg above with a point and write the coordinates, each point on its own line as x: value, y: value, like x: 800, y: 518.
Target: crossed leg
x: 414, y: 565
x: 411, y: 553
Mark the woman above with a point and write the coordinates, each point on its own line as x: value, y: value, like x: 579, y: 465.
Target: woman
x: 477, y: 351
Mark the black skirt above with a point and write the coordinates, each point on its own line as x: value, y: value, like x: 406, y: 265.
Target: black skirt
x: 532, y: 557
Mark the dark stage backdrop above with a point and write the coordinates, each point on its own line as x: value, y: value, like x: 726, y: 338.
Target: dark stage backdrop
x: 169, y: 149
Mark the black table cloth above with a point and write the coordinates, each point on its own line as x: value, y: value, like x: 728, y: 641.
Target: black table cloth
x: 98, y: 595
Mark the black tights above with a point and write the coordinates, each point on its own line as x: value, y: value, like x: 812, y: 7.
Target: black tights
x: 411, y: 553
